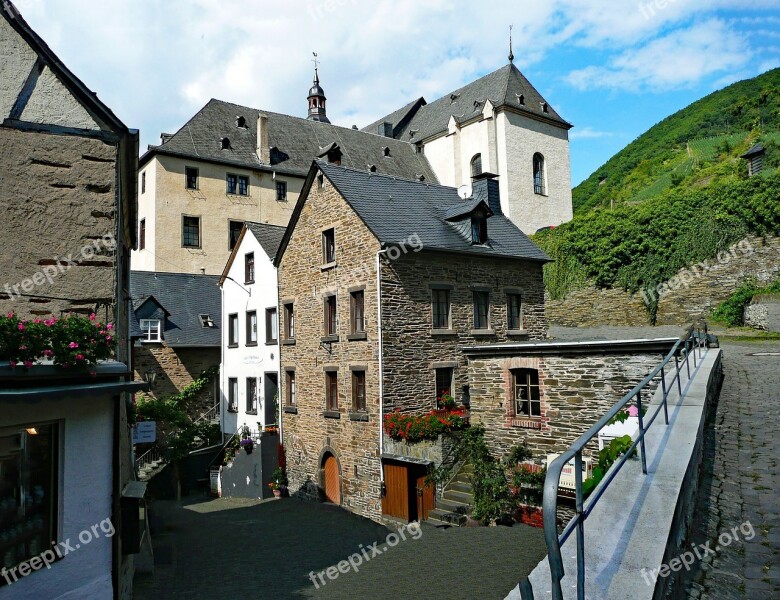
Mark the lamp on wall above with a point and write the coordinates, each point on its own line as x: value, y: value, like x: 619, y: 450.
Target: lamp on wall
x: 150, y: 376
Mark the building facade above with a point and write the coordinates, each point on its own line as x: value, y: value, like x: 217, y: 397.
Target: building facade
x: 68, y: 198
x: 387, y: 279
x: 249, y: 373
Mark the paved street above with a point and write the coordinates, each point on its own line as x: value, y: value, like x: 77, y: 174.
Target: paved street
x: 232, y: 548
x: 741, y: 482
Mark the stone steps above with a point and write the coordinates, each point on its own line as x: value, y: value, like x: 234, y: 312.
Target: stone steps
x: 455, y: 504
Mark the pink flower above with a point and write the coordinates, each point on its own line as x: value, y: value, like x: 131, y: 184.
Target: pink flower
x: 10, y: 315
x: 92, y: 317
x: 48, y: 352
x: 22, y: 347
x: 73, y: 345
x: 28, y: 363
x: 633, y: 411
x: 49, y: 322
x: 79, y: 357
x: 12, y: 363
x: 108, y: 338
x: 21, y: 326
x: 110, y: 326
x: 36, y: 321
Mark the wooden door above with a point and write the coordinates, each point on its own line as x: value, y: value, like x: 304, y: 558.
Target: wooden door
x: 425, y: 498
x: 332, y: 487
x: 396, y: 500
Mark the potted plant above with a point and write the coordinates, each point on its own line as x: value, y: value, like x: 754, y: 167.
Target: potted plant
x: 278, y: 482
x: 446, y: 401
x: 247, y: 444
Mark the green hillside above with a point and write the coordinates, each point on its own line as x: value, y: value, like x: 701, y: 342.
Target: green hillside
x: 696, y: 146
x: 677, y: 195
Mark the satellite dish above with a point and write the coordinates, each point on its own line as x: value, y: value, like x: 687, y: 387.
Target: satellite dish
x: 463, y: 191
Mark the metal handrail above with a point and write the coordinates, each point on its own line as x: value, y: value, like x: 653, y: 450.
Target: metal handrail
x: 694, y: 339
x: 148, y: 457
x: 213, y: 410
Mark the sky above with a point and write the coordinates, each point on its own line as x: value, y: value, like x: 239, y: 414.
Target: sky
x: 613, y: 68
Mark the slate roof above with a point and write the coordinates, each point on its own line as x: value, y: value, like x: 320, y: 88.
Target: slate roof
x: 269, y: 236
x: 502, y: 87
x: 398, y: 118
x: 184, y: 296
x: 754, y: 151
x: 295, y: 142
x: 395, y: 209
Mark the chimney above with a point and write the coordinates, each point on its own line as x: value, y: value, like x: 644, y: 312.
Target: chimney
x: 263, y: 149
x: 386, y: 129
x: 485, y: 186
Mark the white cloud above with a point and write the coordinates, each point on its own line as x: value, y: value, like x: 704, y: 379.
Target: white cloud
x: 585, y: 133
x: 678, y: 59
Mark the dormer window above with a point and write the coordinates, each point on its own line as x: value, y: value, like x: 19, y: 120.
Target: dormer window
x: 545, y: 107
x: 521, y: 99
x: 241, y: 122
x: 386, y: 151
x: 225, y: 143
x: 151, y: 330
x: 207, y: 321
x: 372, y: 168
x: 479, y: 228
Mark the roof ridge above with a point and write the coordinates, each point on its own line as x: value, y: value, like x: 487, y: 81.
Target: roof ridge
x: 384, y: 175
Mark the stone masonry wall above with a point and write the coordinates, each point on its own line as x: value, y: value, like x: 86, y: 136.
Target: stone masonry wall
x: 413, y: 350
x: 695, y: 291
x: 576, y: 391
x: 309, y: 433
x: 57, y: 197
x: 176, y: 369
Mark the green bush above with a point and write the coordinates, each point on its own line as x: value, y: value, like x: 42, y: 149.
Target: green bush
x: 732, y: 310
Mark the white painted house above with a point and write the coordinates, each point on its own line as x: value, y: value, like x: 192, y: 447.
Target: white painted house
x: 249, y: 374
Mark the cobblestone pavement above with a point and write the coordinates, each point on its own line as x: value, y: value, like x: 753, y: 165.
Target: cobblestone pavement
x: 740, y: 482
x: 221, y: 548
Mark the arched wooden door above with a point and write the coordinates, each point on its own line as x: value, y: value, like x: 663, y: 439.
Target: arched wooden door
x: 332, y: 487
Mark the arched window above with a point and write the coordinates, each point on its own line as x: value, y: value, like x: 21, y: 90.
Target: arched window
x: 540, y: 185
x: 476, y: 165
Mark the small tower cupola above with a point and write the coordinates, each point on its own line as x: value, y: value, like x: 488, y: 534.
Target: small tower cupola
x: 317, y: 97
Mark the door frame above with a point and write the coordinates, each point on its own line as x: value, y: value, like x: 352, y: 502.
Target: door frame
x: 327, y: 450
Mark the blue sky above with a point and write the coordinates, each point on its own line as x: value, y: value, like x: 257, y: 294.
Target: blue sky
x: 612, y: 67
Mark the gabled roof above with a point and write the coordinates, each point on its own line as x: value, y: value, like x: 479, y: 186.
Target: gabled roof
x: 294, y: 143
x: 184, y: 297
x: 397, y: 119
x: 268, y: 236
x: 504, y: 88
x: 395, y: 209
x: 756, y: 150
x: 466, y: 208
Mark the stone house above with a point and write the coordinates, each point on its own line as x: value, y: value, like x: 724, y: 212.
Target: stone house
x: 176, y: 328
x: 68, y: 200
x: 249, y: 373
x: 388, y: 278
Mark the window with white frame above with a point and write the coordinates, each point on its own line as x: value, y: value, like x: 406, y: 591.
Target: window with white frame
x: 151, y: 330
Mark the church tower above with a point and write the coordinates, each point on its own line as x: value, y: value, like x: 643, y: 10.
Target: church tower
x: 317, y: 98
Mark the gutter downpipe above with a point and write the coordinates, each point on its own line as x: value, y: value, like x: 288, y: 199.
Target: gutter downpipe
x: 223, y: 333
x: 381, y: 368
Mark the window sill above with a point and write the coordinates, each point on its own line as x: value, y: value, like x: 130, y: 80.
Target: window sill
x: 191, y: 247
x: 291, y: 410
x: 358, y: 416
x: 482, y: 332
x: 329, y: 338
x: 360, y: 335
x: 251, y: 343
x: 328, y: 266
x: 517, y: 332
x: 232, y: 345
x: 250, y: 282
x: 232, y: 410
x: 331, y: 414
x: 524, y: 422
x: 290, y: 342
x: 151, y: 341
x: 271, y: 342
x: 251, y: 412
x: 443, y: 332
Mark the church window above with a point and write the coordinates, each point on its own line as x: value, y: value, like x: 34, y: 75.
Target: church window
x: 540, y: 185
x: 476, y: 165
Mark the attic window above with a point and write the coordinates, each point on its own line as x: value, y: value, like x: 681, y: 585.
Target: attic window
x: 545, y: 107
x: 421, y: 178
x: 520, y: 99
x: 241, y: 122
x: 478, y: 228
x: 386, y: 151
x: 372, y: 168
x: 225, y: 143
x: 454, y: 97
x: 207, y: 321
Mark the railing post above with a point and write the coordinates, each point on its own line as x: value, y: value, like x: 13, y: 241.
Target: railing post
x: 677, y: 367
x: 580, y: 526
x: 641, y: 431
x: 687, y: 359
x: 663, y: 386
x: 526, y: 591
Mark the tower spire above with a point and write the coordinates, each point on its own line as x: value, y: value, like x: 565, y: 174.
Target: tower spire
x: 316, y: 96
x: 511, y: 54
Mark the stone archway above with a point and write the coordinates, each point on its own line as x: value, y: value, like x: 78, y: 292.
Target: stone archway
x: 330, y: 477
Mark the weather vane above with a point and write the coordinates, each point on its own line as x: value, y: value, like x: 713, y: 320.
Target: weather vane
x: 511, y: 54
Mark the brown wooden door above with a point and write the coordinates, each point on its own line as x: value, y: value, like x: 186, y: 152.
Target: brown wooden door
x: 425, y: 498
x: 396, y: 500
x: 332, y: 488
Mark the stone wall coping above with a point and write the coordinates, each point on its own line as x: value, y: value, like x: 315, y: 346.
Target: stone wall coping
x: 588, y: 347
